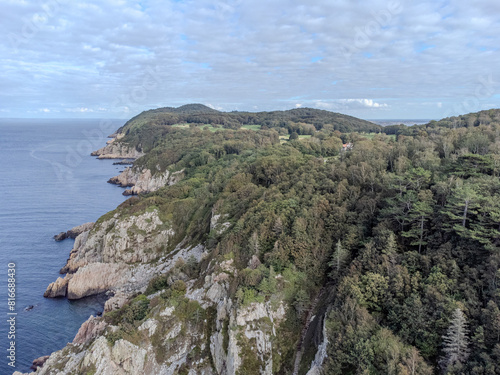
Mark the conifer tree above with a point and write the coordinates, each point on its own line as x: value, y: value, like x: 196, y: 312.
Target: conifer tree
x: 339, y: 258
x: 455, y: 343
x: 420, y: 212
x: 463, y: 204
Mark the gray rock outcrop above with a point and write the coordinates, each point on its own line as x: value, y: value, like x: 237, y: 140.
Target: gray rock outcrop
x: 58, y: 288
x: 39, y: 362
x: 117, y: 150
x: 74, y: 232
x: 114, y: 254
x: 144, y: 181
x: 169, y: 342
x: 89, y: 330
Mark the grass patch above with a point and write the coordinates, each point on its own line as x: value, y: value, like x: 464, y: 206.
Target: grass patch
x: 251, y: 127
x: 201, y: 126
x: 211, y: 127
x: 214, y: 128
x: 371, y: 135
x: 284, y: 138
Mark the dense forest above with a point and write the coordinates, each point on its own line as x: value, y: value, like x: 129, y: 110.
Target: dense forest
x: 470, y: 120
x: 396, y: 242
x: 300, y: 120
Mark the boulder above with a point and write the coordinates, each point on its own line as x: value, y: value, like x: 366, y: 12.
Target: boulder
x: 61, y: 236
x: 39, y: 362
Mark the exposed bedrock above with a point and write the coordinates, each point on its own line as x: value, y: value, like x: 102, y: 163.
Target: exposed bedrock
x: 74, y: 232
x: 144, y: 181
x: 117, y: 150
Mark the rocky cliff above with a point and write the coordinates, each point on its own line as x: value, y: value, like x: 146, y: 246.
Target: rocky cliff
x: 116, y: 254
x: 176, y: 303
x: 192, y: 325
x: 144, y: 181
x: 199, y: 331
x: 117, y: 150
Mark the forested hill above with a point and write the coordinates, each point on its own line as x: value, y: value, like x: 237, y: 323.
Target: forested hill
x: 302, y: 120
x: 470, y: 120
x: 487, y: 117
x: 394, y: 244
x: 383, y: 258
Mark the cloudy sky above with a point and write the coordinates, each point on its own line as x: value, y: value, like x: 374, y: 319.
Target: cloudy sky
x: 377, y: 59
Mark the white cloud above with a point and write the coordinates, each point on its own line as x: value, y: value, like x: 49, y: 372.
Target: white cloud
x: 246, y: 55
x: 218, y: 108
x: 349, y: 104
x: 79, y: 110
x: 369, y: 103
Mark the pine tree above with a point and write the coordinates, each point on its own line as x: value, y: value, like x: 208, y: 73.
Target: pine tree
x: 420, y: 213
x: 461, y: 206
x: 390, y: 251
x: 339, y: 258
x: 455, y: 343
x: 278, y: 227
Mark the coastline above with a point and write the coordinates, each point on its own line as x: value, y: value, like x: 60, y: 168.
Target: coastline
x: 117, y: 273
x: 74, y: 233
x: 67, y: 192
x: 171, y: 303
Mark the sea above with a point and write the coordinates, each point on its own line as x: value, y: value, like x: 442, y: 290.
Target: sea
x: 407, y: 122
x: 49, y: 184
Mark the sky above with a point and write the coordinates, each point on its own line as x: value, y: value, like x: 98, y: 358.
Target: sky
x: 376, y: 59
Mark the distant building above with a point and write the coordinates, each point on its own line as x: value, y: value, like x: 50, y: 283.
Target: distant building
x: 347, y: 146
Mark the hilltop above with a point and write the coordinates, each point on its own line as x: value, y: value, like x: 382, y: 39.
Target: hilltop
x: 469, y: 120
x: 303, y: 120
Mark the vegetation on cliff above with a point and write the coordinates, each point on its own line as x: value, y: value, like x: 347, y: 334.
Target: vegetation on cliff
x: 417, y: 219
x: 470, y: 120
x: 396, y: 242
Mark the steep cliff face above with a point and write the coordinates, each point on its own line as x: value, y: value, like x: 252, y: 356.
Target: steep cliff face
x: 199, y: 331
x: 191, y: 324
x: 178, y: 302
x: 116, y: 254
x: 144, y: 181
x: 321, y: 354
x: 117, y: 150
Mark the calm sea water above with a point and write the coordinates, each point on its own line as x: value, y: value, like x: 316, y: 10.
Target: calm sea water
x: 408, y: 122
x: 49, y: 184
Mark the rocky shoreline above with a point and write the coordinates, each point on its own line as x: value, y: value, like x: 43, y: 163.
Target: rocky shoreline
x: 95, y: 276
x: 102, y: 259
x: 205, y: 331
x: 117, y: 150
x: 74, y: 232
x: 144, y: 181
